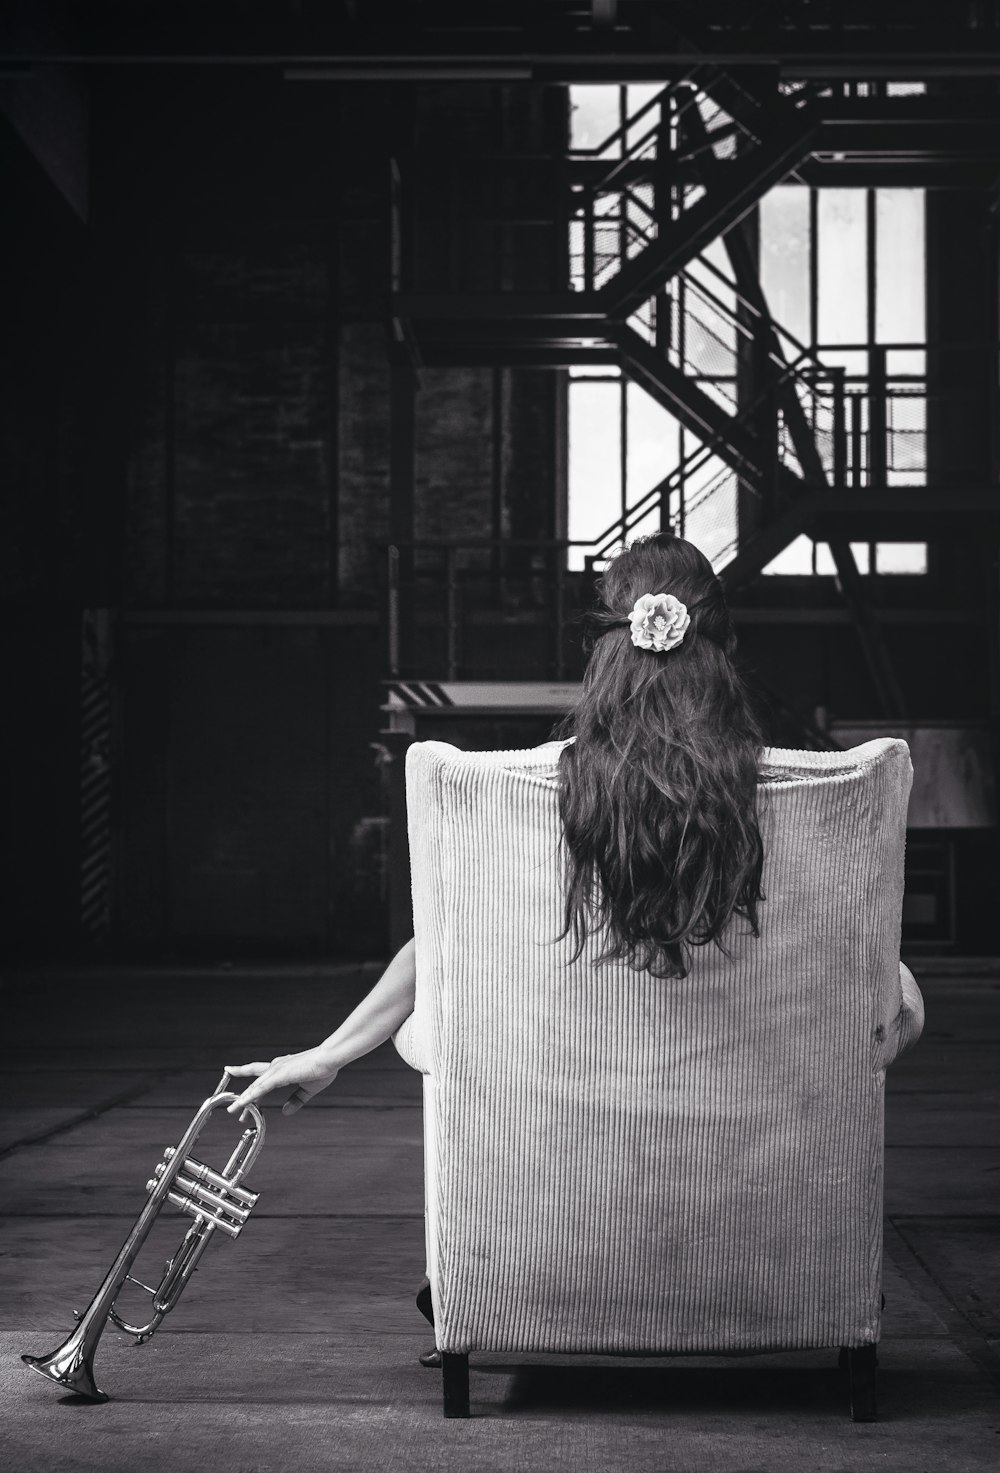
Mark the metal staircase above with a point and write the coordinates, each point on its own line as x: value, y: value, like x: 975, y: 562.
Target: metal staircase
x: 686, y: 171
x: 785, y: 443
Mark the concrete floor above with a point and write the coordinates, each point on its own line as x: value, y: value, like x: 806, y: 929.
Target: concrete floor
x: 296, y: 1348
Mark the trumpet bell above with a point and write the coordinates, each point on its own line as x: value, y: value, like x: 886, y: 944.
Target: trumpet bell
x: 72, y: 1366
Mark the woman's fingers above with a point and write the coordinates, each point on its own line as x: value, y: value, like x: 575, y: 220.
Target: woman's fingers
x: 270, y: 1079
x: 295, y: 1101
x: 236, y: 1071
x: 305, y: 1092
x: 302, y: 1070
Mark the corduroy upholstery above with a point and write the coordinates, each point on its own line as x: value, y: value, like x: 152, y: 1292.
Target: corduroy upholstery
x: 624, y: 1164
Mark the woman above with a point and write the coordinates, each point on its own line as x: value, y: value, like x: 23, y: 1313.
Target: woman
x: 657, y: 795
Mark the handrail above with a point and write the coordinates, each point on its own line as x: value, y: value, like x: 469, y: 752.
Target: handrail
x: 623, y: 128
x: 705, y: 451
x: 831, y: 380
x: 603, y: 184
x: 716, y: 135
x: 702, y: 260
x: 633, y: 151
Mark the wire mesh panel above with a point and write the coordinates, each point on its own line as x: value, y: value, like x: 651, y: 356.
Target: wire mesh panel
x: 650, y: 174
x: 906, y: 435
x: 710, y: 513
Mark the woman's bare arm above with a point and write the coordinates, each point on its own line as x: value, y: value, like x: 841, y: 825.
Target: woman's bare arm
x: 374, y: 1020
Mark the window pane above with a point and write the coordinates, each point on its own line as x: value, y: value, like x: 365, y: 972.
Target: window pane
x: 854, y: 363
x: 637, y: 95
x: 653, y: 443
x: 843, y: 280
x: 718, y: 281
x: 608, y: 237
x: 711, y: 313
x: 643, y: 322
x: 906, y: 362
x: 824, y: 559
x: 899, y: 266
x: 710, y: 520
x: 595, y: 488
x: 646, y: 524
x: 577, y: 278
x: 709, y: 338
x: 906, y: 427
x: 796, y: 558
x: 639, y: 218
x: 901, y: 557
x: 784, y: 257
x: 594, y: 116
x: 826, y: 565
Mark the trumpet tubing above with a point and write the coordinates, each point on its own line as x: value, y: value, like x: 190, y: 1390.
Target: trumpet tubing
x: 217, y: 1203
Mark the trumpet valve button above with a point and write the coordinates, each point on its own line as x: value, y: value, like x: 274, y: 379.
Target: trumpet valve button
x: 159, y: 1169
x: 151, y: 1184
x: 170, y: 1153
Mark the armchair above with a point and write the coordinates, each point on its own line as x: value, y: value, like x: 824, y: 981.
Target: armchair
x: 626, y: 1165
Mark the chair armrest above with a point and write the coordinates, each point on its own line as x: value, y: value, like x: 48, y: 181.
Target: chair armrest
x: 908, y: 1023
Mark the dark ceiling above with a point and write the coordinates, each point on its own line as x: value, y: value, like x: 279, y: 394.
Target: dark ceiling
x: 538, y: 40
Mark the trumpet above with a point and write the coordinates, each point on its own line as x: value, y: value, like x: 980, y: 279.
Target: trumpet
x: 218, y: 1204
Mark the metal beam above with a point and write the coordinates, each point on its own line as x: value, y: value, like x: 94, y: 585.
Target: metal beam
x: 678, y: 394
x: 535, y: 330
x: 883, y: 512
x: 897, y: 173
x: 451, y: 353
x: 778, y: 151
x: 974, y: 138
x: 887, y: 687
x: 772, y: 538
x: 497, y: 306
x: 541, y: 42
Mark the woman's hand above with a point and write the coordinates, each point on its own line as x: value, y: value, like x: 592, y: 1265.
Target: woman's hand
x: 311, y: 1071
x: 374, y: 1020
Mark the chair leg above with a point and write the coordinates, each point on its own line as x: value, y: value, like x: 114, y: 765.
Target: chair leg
x: 862, y: 1361
x: 455, y: 1369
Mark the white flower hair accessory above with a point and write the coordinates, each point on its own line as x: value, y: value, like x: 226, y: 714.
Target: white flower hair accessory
x: 658, y: 621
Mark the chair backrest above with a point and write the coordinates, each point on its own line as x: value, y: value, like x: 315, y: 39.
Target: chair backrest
x: 621, y: 1163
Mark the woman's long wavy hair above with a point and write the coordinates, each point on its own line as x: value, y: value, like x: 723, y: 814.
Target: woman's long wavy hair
x: 658, y: 791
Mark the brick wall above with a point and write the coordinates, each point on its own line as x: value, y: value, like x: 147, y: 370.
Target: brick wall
x: 257, y: 480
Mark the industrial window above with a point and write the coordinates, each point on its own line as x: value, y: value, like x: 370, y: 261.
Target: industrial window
x: 621, y: 443
x: 843, y: 270
x: 844, y: 273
